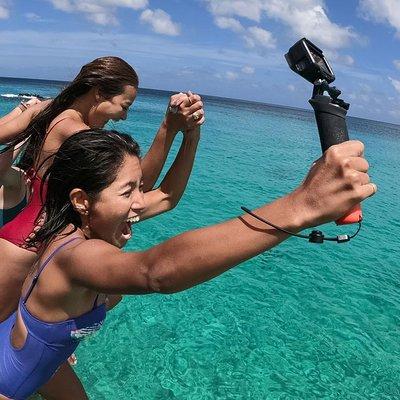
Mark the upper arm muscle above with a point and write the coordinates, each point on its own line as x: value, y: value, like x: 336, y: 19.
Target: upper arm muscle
x: 104, y: 268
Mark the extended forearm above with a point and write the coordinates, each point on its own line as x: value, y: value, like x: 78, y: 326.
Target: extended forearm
x: 197, y: 256
x: 153, y: 162
x: 177, y: 177
x: 11, y: 115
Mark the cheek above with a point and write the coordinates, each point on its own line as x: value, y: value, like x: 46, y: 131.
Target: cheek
x: 106, y: 108
x: 109, y: 213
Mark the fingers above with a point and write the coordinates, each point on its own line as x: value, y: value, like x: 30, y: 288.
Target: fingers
x: 368, y: 190
x: 350, y: 148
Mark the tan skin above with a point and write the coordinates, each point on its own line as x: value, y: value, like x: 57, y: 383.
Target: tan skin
x: 95, y: 264
x: 93, y: 110
x: 13, y: 187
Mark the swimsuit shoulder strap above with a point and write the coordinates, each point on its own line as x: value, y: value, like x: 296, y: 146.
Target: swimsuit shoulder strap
x: 34, y: 166
x: 62, y: 119
x: 42, y: 267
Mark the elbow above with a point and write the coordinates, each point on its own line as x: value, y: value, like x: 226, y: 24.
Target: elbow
x: 168, y: 201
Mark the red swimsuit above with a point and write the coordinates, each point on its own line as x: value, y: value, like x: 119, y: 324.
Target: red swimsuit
x: 18, y: 230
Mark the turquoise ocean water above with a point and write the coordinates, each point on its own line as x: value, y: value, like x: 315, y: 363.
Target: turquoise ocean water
x: 302, y: 321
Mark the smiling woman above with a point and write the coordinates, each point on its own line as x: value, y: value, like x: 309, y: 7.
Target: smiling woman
x: 89, y: 210
x: 103, y: 90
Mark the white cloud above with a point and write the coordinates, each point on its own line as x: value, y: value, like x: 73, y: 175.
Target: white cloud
x: 241, y: 8
x: 160, y: 21
x: 291, y: 88
x: 256, y: 36
x: 385, y: 11
x: 395, y: 83
x: 101, y: 12
x: 334, y: 56
x: 229, y: 23
x: 231, y: 75
x: 33, y: 17
x: 303, y: 18
x: 4, y: 9
x: 248, y: 70
x: 396, y: 63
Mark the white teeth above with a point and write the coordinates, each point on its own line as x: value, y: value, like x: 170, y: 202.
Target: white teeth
x: 133, y: 220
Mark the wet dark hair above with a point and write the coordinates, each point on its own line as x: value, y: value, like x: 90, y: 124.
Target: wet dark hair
x: 88, y: 160
x: 108, y: 74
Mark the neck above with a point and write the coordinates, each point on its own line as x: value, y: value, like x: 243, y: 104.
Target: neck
x: 83, y: 105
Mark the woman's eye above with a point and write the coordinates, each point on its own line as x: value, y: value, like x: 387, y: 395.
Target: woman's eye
x: 127, y: 194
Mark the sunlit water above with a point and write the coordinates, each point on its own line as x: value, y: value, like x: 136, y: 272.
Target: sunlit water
x: 302, y: 321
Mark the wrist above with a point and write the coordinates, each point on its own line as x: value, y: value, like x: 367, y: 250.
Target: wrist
x: 21, y: 107
x: 169, y: 128
x: 301, y: 209
x: 192, y: 134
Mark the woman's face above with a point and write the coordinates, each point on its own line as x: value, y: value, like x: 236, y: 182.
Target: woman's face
x: 114, y: 108
x: 119, y: 205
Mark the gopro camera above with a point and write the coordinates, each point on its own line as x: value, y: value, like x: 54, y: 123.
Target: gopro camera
x: 307, y: 60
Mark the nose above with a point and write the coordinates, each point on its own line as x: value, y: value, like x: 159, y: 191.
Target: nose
x: 138, y: 204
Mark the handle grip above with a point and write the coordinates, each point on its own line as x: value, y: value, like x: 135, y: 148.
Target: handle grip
x: 332, y: 129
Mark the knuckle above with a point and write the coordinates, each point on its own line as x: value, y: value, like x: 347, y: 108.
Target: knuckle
x: 333, y: 153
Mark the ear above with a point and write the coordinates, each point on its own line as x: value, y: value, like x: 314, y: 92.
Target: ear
x: 97, y: 95
x: 80, y: 201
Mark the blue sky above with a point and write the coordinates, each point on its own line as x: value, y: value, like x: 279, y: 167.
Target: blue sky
x: 229, y: 48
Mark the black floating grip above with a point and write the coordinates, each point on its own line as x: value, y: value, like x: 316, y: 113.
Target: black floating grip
x: 331, y: 121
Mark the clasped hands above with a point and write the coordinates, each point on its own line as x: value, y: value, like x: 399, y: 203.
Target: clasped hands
x: 185, y: 112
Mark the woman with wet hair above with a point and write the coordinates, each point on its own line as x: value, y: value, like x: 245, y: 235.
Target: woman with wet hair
x: 103, y: 90
x: 13, y: 183
x: 94, y: 198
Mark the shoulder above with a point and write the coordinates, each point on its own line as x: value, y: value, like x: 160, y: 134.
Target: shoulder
x: 66, y: 124
x: 86, y: 254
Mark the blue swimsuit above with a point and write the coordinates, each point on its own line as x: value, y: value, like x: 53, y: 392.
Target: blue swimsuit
x: 48, y: 345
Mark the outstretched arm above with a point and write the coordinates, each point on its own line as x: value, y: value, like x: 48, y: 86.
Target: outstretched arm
x: 10, y: 129
x: 7, y: 158
x: 171, y: 189
x: 154, y: 160
x: 15, y: 112
x: 337, y: 182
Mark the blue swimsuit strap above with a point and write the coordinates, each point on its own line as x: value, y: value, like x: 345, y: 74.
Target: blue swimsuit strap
x: 41, y: 268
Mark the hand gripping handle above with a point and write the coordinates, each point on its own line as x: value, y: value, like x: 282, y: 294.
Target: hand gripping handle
x: 331, y: 122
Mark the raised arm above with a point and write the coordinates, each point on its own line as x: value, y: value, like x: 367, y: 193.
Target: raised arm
x: 15, y: 112
x: 337, y: 182
x: 171, y: 189
x: 10, y: 129
x: 7, y: 158
x: 154, y: 160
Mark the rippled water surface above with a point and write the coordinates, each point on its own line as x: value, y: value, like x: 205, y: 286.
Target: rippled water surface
x: 299, y: 322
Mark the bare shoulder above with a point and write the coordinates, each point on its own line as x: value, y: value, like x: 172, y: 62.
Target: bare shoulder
x: 88, y: 254
x: 66, y: 124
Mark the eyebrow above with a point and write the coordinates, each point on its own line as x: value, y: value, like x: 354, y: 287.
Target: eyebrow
x: 130, y: 183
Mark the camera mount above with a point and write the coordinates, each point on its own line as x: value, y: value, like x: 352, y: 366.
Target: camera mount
x: 308, y: 60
